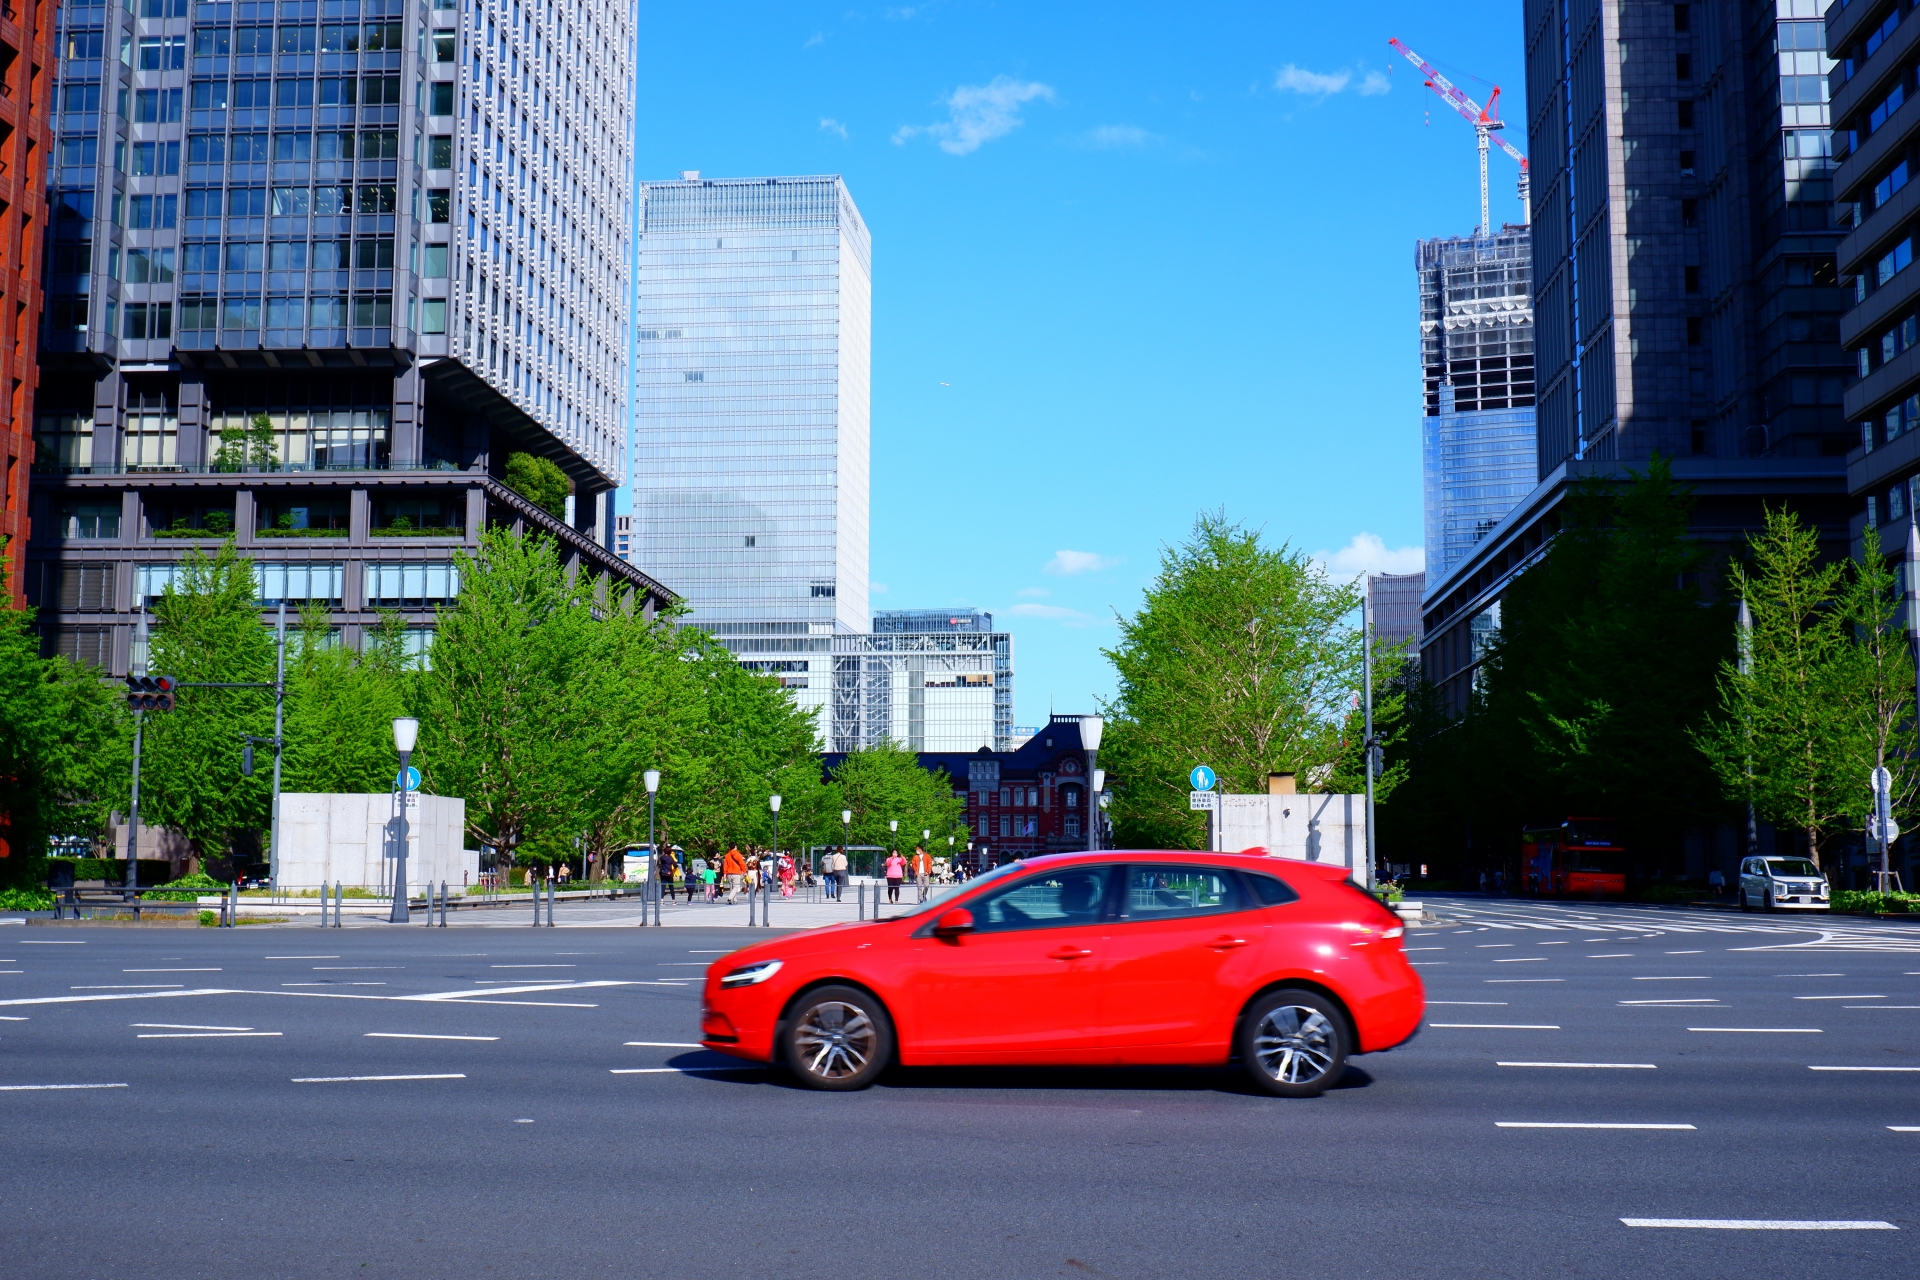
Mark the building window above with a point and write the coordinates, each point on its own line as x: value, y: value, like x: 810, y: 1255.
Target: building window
x: 411, y: 583
x: 277, y: 582
x: 148, y: 320
x: 441, y: 101
x: 63, y: 444
x: 89, y: 520
x: 440, y: 151
x: 433, y: 315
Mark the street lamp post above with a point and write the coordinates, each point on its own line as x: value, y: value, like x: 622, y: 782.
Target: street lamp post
x: 1093, y: 803
x: 1366, y: 680
x: 406, y: 732
x: 1091, y: 730
x: 766, y: 876
x: 652, y: 777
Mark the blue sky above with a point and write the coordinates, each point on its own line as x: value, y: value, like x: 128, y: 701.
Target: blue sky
x: 1131, y: 262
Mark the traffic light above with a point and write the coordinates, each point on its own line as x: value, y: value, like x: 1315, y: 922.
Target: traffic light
x: 150, y: 693
x: 246, y: 761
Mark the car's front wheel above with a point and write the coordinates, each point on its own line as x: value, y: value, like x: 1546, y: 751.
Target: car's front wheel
x: 1746, y: 903
x: 1294, y: 1043
x: 837, y: 1038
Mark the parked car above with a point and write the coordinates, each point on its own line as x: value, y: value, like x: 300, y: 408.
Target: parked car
x: 1116, y: 958
x: 1789, y: 883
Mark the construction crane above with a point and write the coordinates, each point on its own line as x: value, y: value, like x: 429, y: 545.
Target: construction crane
x: 1485, y: 121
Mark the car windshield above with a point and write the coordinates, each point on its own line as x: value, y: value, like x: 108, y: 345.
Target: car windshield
x: 1792, y: 867
x: 945, y: 893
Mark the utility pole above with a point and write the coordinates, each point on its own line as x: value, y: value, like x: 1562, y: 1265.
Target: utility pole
x: 1366, y: 684
x: 137, y: 667
x: 279, y: 723
x: 1746, y: 669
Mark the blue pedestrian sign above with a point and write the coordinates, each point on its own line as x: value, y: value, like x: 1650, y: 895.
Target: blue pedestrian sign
x: 411, y: 779
x: 1201, y: 778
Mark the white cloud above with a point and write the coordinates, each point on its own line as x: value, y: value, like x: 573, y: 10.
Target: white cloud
x: 1318, y: 84
x: 1117, y: 137
x: 818, y: 37
x: 1367, y: 553
x: 1068, y: 563
x: 1036, y: 593
x: 1052, y: 612
x: 877, y: 588
x: 829, y: 125
x: 979, y: 113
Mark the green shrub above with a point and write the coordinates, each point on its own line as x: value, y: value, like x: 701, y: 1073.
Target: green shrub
x: 209, y: 919
x: 1866, y: 900
x: 199, y: 882
x: 26, y: 900
x: 538, y: 481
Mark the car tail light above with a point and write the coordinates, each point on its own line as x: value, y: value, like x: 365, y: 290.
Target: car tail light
x: 1395, y: 932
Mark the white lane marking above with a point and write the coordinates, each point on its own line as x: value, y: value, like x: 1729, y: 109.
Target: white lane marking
x: 1520, y: 959
x: 1512, y: 980
x: 1614, y: 955
x: 1482, y: 1003
x: 1686, y: 953
x: 170, y: 971
x: 1784, y: 1031
x: 12, y: 970
x: 1675, y: 977
x: 1561, y: 943
x: 466, y: 996
x: 300, y: 957
x: 1905, y: 1128
x: 1498, y: 1026
x: 703, y: 964
x: 1696, y: 1000
x: 644, y: 1071
x: 728, y: 953
x: 1761, y: 1224
x: 531, y: 1004
x: 1427, y: 962
x: 533, y: 966
x: 332, y: 982
x: 202, y: 1035
x: 30, y: 1088
x: 659, y: 1044
x: 1578, y: 1124
x: 184, y: 1026
x: 454, y: 1075
x: 126, y: 995
x: 1863, y: 1068
x: 1858, y: 997
x: 65, y: 944
x: 15, y: 1019
x: 523, y: 1122
x: 127, y: 986
x: 1423, y: 948
x: 1814, y: 975
x: 1483, y: 946
x: 417, y: 1035
x: 1610, y: 1066
x: 353, y: 968
x: 1880, y: 1006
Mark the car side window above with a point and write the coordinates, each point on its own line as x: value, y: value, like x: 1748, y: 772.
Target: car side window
x: 1052, y: 900
x: 1163, y: 893
x: 1269, y: 891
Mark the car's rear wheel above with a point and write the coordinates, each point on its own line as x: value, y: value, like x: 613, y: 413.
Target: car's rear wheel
x: 1294, y: 1043
x: 1746, y: 903
x: 1766, y: 899
x: 837, y: 1038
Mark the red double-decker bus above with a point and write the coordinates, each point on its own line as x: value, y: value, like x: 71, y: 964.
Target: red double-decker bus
x: 1579, y: 858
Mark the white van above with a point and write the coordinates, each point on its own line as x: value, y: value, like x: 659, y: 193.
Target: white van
x: 1786, y: 883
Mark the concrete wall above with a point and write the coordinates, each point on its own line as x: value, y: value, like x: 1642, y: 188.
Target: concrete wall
x: 355, y: 838
x: 1309, y: 827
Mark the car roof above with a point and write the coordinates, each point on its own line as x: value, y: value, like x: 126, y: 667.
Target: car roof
x: 1255, y: 859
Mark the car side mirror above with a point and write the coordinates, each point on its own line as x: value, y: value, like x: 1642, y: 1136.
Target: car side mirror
x: 953, y: 923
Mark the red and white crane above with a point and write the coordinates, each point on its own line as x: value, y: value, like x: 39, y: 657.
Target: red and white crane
x: 1485, y: 121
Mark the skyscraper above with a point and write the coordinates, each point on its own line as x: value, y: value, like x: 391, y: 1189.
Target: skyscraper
x: 751, y: 423
x: 1685, y: 293
x: 1476, y: 349
x: 25, y: 93
x: 318, y: 269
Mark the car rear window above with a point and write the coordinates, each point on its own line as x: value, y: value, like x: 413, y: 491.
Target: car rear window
x: 1269, y: 891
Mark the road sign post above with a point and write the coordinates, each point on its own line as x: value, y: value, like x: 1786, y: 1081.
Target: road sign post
x: 1881, y: 780
x: 1204, y: 797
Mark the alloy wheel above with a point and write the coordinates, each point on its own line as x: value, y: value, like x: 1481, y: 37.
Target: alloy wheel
x: 835, y: 1040
x: 1295, y: 1044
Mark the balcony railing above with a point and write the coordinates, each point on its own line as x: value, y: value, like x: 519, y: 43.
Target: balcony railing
x: 162, y: 469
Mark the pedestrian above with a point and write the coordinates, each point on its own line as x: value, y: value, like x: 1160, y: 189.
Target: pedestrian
x: 1500, y: 881
x: 1716, y: 882
x: 896, y: 870
x: 708, y: 881
x: 787, y: 875
x: 922, y: 870
x: 836, y: 875
x: 734, y: 868
x: 1483, y: 881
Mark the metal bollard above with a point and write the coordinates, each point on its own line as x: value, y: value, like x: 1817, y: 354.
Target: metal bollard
x: 863, y: 900
x: 443, y: 904
x: 549, y: 904
x: 339, y: 892
x: 533, y: 883
x: 323, y: 904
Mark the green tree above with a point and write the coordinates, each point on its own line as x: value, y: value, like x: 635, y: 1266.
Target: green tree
x: 341, y: 706
x: 885, y: 782
x: 65, y: 748
x: 502, y: 701
x: 254, y: 446
x: 1243, y: 657
x: 208, y: 630
x: 539, y: 481
x: 1875, y: 682
x: 1777, y: 742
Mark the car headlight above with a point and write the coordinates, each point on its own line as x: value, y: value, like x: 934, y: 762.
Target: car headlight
x: 751, y: 975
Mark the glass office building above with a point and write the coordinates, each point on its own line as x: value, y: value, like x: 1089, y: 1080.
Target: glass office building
x: 1476, y: 347
x: 751, y: 418
x: 316, y: 269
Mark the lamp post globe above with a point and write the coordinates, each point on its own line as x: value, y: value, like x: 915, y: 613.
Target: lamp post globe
x: 406, y: 735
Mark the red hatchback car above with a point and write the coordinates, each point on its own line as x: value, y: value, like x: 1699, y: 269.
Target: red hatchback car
x: 1085, y: 958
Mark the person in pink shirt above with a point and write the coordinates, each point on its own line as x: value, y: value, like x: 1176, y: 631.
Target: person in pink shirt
x: 896, y: 872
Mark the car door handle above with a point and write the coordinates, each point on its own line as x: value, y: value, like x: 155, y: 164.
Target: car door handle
x: 1224, y: 943
x: 1068, y: 953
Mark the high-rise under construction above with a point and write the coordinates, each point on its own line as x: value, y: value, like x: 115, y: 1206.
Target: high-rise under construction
x: 1478, y: 455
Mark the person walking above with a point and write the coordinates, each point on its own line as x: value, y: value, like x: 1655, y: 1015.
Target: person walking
x: 734, y: 868
x: 837, y: 875
x: 896, y: 870
x: 1716, y: 882
x: 788, y: 874
x: 709, y: 880
x: 922, y: 870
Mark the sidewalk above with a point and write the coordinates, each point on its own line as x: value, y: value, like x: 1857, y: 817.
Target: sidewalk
x: 518, y: 913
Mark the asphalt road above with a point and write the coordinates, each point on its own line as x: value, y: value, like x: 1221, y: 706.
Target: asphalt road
x: 555, y: 1128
